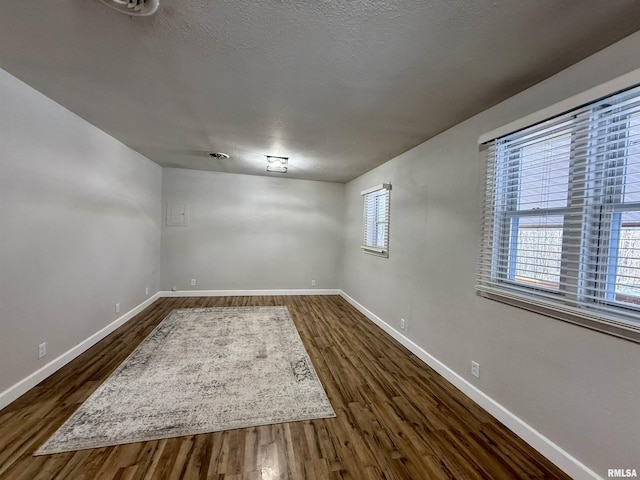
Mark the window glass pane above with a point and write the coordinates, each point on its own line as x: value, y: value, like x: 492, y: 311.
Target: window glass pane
x: 632, y: 181
x: 544, y: 170
x: 536, y: 250
x: 381, y: 207
x: 380, y: 234
x: 381, y: 219
x: 376, y: 209
x: 626, y: 258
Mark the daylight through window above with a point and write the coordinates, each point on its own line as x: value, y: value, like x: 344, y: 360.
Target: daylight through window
x: 376, y: 220
x: 561, y: 224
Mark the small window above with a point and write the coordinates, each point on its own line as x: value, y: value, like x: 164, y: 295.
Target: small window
x: 376, y: 220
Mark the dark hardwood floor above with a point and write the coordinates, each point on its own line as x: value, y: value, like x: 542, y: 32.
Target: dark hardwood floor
x: 396, y: 417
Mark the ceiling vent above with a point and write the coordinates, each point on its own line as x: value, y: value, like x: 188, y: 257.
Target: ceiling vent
x: 135, y: 8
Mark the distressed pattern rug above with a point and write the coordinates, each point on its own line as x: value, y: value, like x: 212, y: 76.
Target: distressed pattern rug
x: 201, y: 370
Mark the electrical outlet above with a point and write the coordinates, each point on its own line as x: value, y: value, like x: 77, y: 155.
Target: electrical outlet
x: 193, y: 282
x: 313, y: 283
x: 475, y: 369
x: 146, y: 291
x: 42, y: 349
x: 117, y: 308
x: 403, y: 324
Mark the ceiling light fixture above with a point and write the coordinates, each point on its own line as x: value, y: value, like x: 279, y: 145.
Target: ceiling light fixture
x: 277, y: 164
x: 219, y: 155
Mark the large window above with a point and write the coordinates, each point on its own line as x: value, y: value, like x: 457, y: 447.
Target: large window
x: 376, y: 220
x: 561, y: 226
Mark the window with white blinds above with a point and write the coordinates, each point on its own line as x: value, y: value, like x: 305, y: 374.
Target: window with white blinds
x: 375, y: 230
x: 561, y: 224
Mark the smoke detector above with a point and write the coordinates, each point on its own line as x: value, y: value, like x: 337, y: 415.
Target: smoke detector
x: 135, y: 8
x: 219, y: 155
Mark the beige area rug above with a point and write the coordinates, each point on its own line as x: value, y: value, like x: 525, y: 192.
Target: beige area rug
x: 201, y: 370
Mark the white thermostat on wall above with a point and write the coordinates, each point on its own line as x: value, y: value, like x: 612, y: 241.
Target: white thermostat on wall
x: 177, y: 215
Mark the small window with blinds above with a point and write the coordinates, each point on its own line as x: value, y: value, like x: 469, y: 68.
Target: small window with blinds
x: 375, y: 230
x: 561, y: 228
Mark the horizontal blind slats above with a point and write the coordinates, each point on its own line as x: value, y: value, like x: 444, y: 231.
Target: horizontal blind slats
x: 376, y: 213
x: 561, y: 210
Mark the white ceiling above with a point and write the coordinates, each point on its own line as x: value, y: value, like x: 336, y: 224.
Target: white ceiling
x: 339, y: 86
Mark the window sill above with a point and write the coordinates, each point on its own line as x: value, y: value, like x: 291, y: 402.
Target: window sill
x: 600, y: 322
x: 378, y: 252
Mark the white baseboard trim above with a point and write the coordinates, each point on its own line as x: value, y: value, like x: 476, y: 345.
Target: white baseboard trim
x: 26, y: 384
x: 564, y: 460
x: 248, y: 293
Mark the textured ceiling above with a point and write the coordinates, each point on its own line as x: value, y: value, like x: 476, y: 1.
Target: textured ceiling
x: 339, y: 86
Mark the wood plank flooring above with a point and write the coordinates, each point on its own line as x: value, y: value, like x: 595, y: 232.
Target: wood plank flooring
x: 396, y: 417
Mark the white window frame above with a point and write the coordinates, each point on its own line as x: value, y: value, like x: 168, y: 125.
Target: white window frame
x: 375, y: 219
x: 614, y: 319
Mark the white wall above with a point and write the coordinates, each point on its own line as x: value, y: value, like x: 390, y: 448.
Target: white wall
x: 579, y: 388
x: 251, y: 233
x: 79, y: 229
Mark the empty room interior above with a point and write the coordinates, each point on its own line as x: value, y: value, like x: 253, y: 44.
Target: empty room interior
x: 356, y: 239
